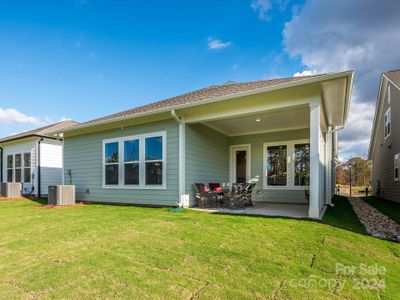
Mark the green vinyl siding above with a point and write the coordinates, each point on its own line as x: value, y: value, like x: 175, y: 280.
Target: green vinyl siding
x: 256, y: 141
x: 83, y: 156
x: 207, y: 157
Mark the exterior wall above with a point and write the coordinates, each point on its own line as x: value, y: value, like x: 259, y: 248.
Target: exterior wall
x: 83, y: 160
x: 50, y: 164
x: 257, y: 141
x: 207, y: 157
x: 22, y: 147
x: 386, y: 149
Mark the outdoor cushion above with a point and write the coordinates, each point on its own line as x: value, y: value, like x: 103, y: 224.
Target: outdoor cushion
x: 219, y: 189
x: 213, y: 186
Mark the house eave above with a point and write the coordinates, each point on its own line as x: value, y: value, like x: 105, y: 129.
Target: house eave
x: 6, y: 141
x: 321, y: 78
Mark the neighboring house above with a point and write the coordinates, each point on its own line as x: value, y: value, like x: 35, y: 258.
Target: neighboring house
x: 33, y: 158
x: 280, y: 133
x: 384, y: 149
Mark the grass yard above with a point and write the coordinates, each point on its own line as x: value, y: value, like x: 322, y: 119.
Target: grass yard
x: 389, y: 208
x: 102, y: 251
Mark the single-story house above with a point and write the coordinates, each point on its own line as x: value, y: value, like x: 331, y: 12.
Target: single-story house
x: 279, y: 133
x: 33, y: 158
x: 384, y: 148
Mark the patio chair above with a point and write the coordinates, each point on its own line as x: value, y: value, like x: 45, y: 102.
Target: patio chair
x: 219, y: 192
x: 204, y: 197
x: 235, y: 198
x: 248, y: 191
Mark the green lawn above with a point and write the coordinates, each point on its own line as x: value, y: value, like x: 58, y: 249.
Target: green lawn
x: 102, y: 251
x: 389, y: 208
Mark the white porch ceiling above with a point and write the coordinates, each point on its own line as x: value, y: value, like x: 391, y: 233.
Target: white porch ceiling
x: 270, y: 121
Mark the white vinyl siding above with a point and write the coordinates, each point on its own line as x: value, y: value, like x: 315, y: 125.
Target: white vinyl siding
x: 50, y: 164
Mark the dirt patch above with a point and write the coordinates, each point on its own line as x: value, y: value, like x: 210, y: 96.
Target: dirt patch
x: 59, y: 206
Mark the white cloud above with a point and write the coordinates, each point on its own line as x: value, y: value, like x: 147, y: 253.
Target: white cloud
x: 215, y: 44
x: 341, y: 35
x: 264, y: 7
x: 305, y: 73
x: 12, y: 116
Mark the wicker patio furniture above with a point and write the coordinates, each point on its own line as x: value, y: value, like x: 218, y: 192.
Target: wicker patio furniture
x: 235, y: 199
x: 204, y: 196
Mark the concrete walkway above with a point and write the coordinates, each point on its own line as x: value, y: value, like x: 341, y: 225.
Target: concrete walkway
x: 375, y: 222
x: 266, y: 209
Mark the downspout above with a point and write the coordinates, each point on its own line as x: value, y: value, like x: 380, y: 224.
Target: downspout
x: 38, y: 170
x: 182, y: 193
x: 332, y: 177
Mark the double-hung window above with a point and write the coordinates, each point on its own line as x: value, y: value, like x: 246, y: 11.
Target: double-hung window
x: 27, y: 167
x: 131, y: 162
x: 396, y: 167
x: 154, y: 160
x: 10, y: 167
x: 388, y: 123
x: 111, y: 163
x: 135, y: 161
x: 18, y: 168
x: 287, y: 165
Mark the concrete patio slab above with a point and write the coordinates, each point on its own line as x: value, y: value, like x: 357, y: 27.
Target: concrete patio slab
x: 266, y: 209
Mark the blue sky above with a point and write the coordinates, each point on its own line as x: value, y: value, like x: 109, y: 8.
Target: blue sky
x: 85, y: 59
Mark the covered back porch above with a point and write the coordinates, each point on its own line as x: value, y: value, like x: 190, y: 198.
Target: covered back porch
x: 283, y: 140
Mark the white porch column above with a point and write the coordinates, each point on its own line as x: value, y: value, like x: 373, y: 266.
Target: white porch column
x: 183, y: 197
x: 315, y: 130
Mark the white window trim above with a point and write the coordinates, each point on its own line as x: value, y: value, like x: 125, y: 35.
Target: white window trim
x: 142, y: 184
x: 384, y: 125
x: 22, y: 168
x: 289, y: 165
x: 396, y: 166
x: 232, y: 171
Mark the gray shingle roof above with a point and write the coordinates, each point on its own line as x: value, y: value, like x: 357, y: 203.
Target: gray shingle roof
x: 198, y: 96
x: 42, y: 131
x: 394, y: 76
